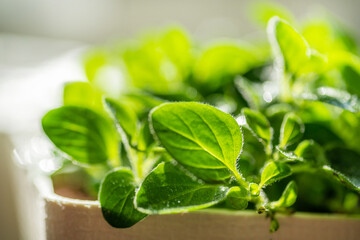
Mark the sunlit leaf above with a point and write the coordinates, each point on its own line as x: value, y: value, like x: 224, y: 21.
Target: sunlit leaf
x: 258, y: 124
x: 221, y: 62
x: 335, y: 97
x: 274, y: 171
x: 124, y: 116
x: 171, y: 189
x: 198, y: 135
x: 292, y: 129
x: 82, y: 94
x: 81, y: 133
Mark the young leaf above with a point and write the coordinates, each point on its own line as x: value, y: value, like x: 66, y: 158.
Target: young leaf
x: 288, y: 156
x: 124, y: 116
x: 237, y: 198
x: 292, y: 49
x: 291, y: 130
x: 141, y: 102
x: 93, y: 61
x: 288, y: 44
x: 258, y: 124
x: 287, y: 198
x: 344, y: 164
x: 336, y: 98
x: 274, y: 171
x: 83, y: 134
x: 171, y: 189
x: 116, y: 197
x: 310, y: 151
x: 251, y: 91
x: 198, y: 135
x: 351, y: 76
x: 274, y: 225
x: 82, y: 94
x: 220, y: 62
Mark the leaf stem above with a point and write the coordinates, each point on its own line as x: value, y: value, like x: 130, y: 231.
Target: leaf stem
x: 242, y: 181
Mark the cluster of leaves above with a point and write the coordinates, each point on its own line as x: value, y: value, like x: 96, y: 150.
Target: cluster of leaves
x: 149, y: 147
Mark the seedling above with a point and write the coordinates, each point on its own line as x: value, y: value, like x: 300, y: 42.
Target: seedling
x: 274, y: 133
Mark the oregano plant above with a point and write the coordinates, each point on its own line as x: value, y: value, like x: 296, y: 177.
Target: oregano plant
x: 207, y: 127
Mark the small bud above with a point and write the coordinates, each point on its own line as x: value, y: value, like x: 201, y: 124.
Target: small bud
x: 254, y: 190
x: 261, y: 210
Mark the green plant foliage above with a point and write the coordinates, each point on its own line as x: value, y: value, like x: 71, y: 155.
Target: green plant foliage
x: 237, y: 198
x: 344, y: 165
x: 166, y: 124
x: 287, y: 198
x: 160, y: 62
x: 258, y: 124
x: 198, y: 136
x: 220, y: 62
x: 81, y: 133
x: 311, y: 152
x: 337, y: 98
x: 124, y: 116
x: 116, y: 197
x: 82, y: 94
x: 274, y: 225
x: 274, y: 171
x: 291, y: 130
x: 171, y: 189
x: 288, y: 45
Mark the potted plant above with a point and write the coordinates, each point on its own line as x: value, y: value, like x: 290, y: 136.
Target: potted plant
x: 224, y: 127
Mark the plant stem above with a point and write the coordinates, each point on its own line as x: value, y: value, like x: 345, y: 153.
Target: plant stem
x: 241, y: 181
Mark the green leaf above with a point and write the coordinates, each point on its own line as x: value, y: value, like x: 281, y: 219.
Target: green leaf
x: 288, y: 156
x: 177, y: 45
x: 252, y: 92
x: 292, y: 129
x: 237, y: 198
x: 344, y: 165
x: 274, y: 225
x: 159, y: 62
x: 83, y: 134
x: 116, y: 197
x: 351, y: 76
x: 312, y: 152
x: 124, y: 116
x: 169, y: 188
x: 210, y: 175
x: 258, y: 124
x: 327, y: 35
x: 336, y: 98
x: 198, y: 135
x: 288, y: 44
x: 141, y: 102
x: 287, y: 198
x: 82, y: 94
x: 292, y: 50
x: 274, y: 171
x: 220, y: 62
x: 93, y: 61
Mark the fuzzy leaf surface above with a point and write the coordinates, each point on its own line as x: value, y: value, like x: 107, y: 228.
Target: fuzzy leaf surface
x: 83, y: 134
x: 116, y: 199
x: 169, y: 188
x: 198, y: 135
